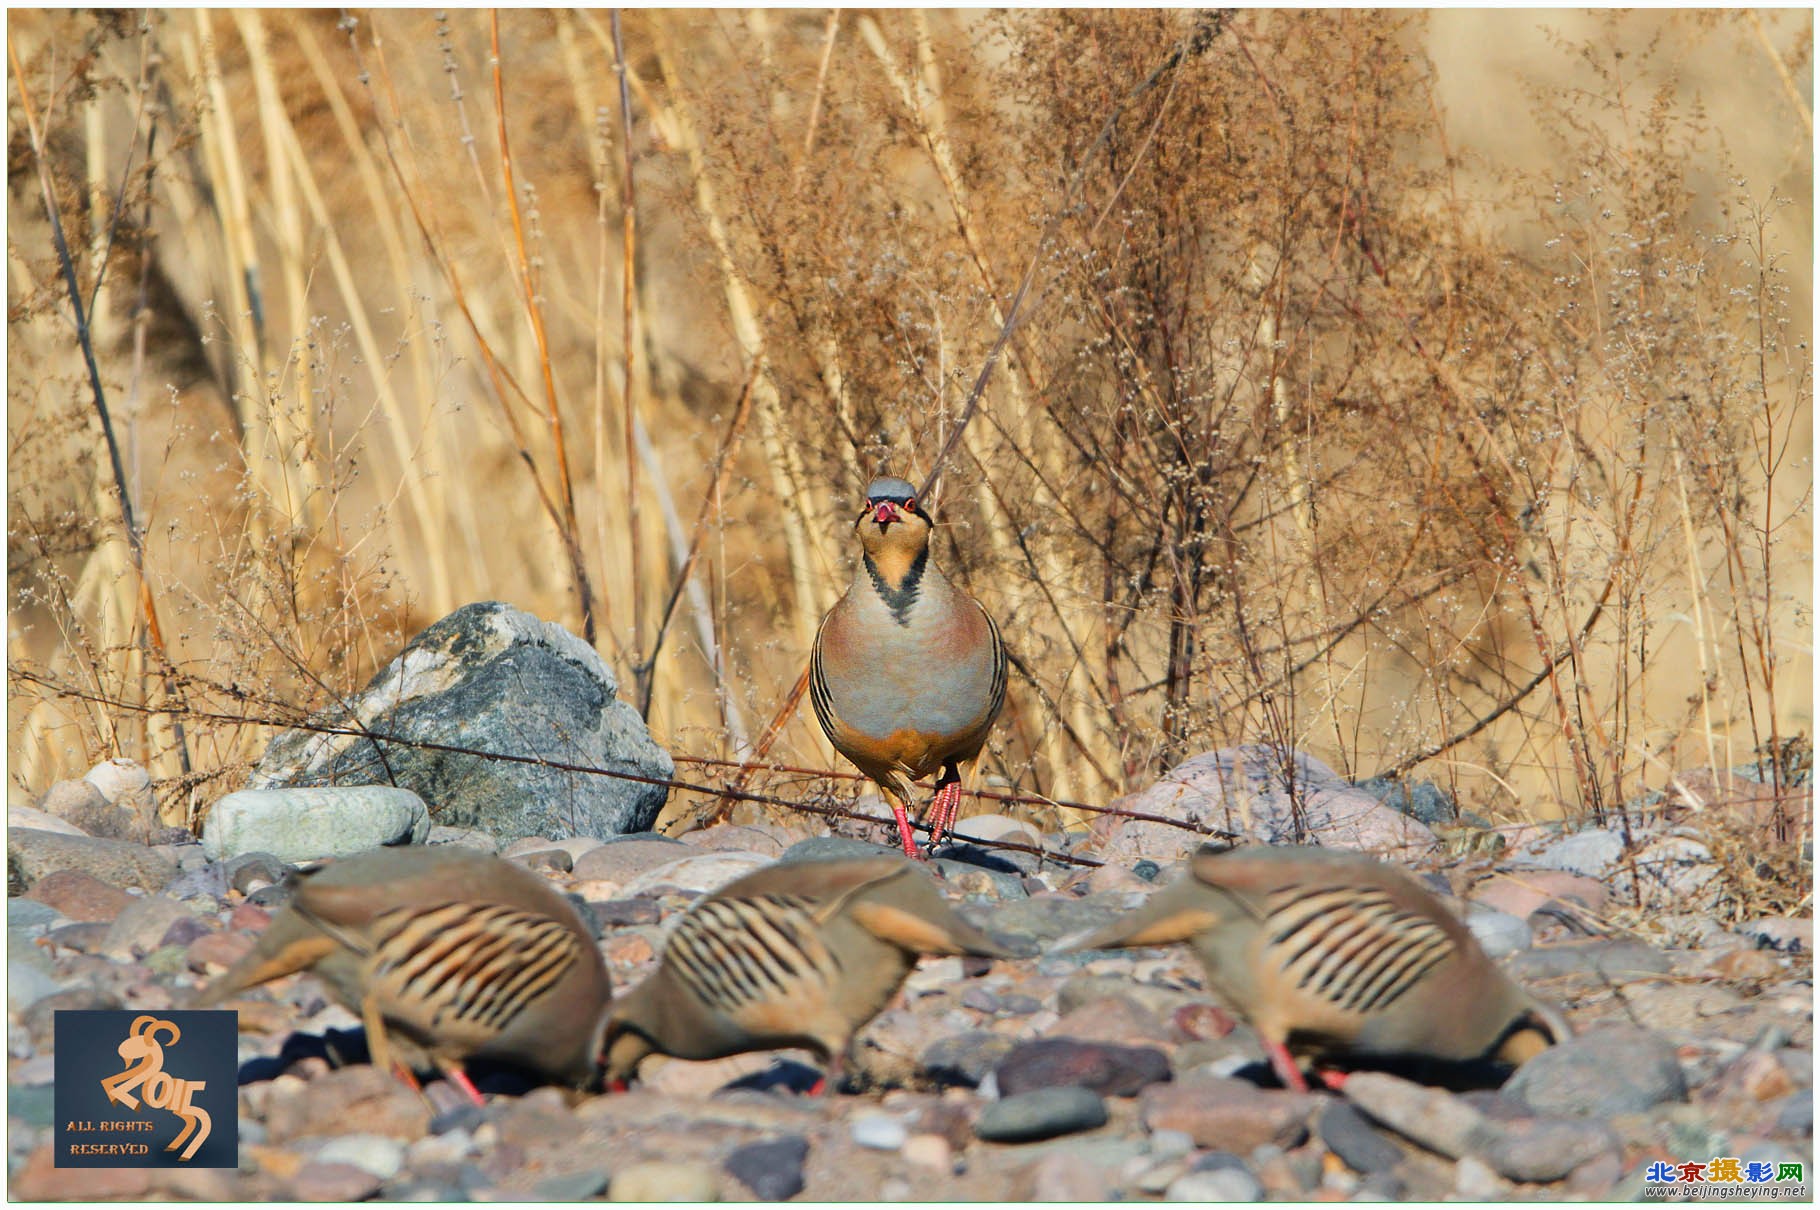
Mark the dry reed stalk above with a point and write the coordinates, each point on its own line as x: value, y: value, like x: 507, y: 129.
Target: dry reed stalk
x: 1795, y: 98
x: 407, y: 451
x: 271, y: 442
x: 505, y: 386
x: 422, y: 462
x: 568, y: 523
x: 642, y: 660
x: 810, y: 563
x: 298, y: 443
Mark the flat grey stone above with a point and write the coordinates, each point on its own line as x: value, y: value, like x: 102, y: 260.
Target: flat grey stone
x: 141, y: 925
x: 1621, y: 959
x: 478, y: 711
x: 772, y: 1169
x: 1050, y: 918
x: 26, y: 984
x: 1600, y: 1074
x: 1498, y: 933
x: 1591, y: 852
x: 964, y: 1059
x: 30, y: 919
x: 835, y: 848
x: 1043, y: 1114
x: 1361, y: 1145
x: 573, y: 1186
x: 310, y: 823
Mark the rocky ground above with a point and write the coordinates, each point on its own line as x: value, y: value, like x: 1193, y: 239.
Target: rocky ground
x: 1083, y: 1077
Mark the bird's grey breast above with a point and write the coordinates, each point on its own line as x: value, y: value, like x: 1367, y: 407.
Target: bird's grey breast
x: 925, y: 664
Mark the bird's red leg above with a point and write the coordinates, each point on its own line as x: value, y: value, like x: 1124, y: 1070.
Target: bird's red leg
x: 1335, y: 1080
x: 453, y: 1073
x: 903, y: 828
x: 406, y: 1076
x: 942, y: 812
x: 830, y: 1077
x: 1285, y: 1067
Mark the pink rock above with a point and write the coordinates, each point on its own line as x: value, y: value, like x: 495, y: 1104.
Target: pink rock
x: 1199, y: 1022
x: 726, y: 837
x: 80, y: 896
x: 1520, y: 892
x: 1231, y: 1115
x: 215, y: 951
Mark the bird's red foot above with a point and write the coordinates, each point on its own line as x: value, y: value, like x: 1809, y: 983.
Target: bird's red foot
x: 942, y: 811
x: 406, y: 1076
x: 1334, y: 1080
x: 903, y: 832
x: 1284, y: 1066
x: 459, y: 1078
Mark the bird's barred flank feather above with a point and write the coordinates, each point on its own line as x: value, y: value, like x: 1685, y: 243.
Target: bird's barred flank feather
x: 477, y: 963
x: 819, y: 696
x: 1000, y: 668
x: 1353, y: 948
x: 732, y: 953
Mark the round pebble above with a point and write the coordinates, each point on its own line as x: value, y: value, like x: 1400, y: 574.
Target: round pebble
x: 929, y: 1151
x: 879, y: 1132
x: 373, y: 1153
x: 662, y: 1181
x: 1215, y: 1185
x: 1166, y: 1144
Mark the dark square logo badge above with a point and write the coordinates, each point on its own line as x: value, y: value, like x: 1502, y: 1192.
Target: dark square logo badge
x: 147, y: 1090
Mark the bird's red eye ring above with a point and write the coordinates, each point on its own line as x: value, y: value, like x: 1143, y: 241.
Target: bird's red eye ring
x: 910, y: 505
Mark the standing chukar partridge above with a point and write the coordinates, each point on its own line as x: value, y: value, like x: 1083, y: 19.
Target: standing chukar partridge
x: 908, y: 672
x: 1330, y: 953
x: 798, y: 954
x: 448, y: 955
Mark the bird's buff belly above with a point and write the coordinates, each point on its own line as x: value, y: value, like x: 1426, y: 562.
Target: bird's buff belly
x: 910, y: 751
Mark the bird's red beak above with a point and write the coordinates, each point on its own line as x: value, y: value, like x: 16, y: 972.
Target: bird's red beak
x: 885, y: 512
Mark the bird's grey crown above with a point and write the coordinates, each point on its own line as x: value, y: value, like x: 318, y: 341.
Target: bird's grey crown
x: 889, y: 487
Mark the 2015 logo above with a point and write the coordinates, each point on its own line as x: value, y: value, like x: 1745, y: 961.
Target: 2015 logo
x: 146, y: 1090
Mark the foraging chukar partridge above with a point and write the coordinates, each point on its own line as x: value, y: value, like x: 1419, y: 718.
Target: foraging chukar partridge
x: 908, y: 672
x: 1330, y: 953
x: 448, y: 955
x: 798, y: 954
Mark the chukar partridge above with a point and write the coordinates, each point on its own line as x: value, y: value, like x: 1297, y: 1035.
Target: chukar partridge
x: 448, y: 955
x: 1330, y: 953
x: 798, y: 954
x: 908, y: 671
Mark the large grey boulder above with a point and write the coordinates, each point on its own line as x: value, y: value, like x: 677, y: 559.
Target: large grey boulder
x: 489, y: 679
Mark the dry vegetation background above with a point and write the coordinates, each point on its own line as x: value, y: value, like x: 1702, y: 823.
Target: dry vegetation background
x: 1429, y: 392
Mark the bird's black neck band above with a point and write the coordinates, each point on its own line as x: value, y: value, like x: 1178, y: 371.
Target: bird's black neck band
x: 901, y: 596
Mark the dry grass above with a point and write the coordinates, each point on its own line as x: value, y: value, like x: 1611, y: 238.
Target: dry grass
x: 1469, y: 449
